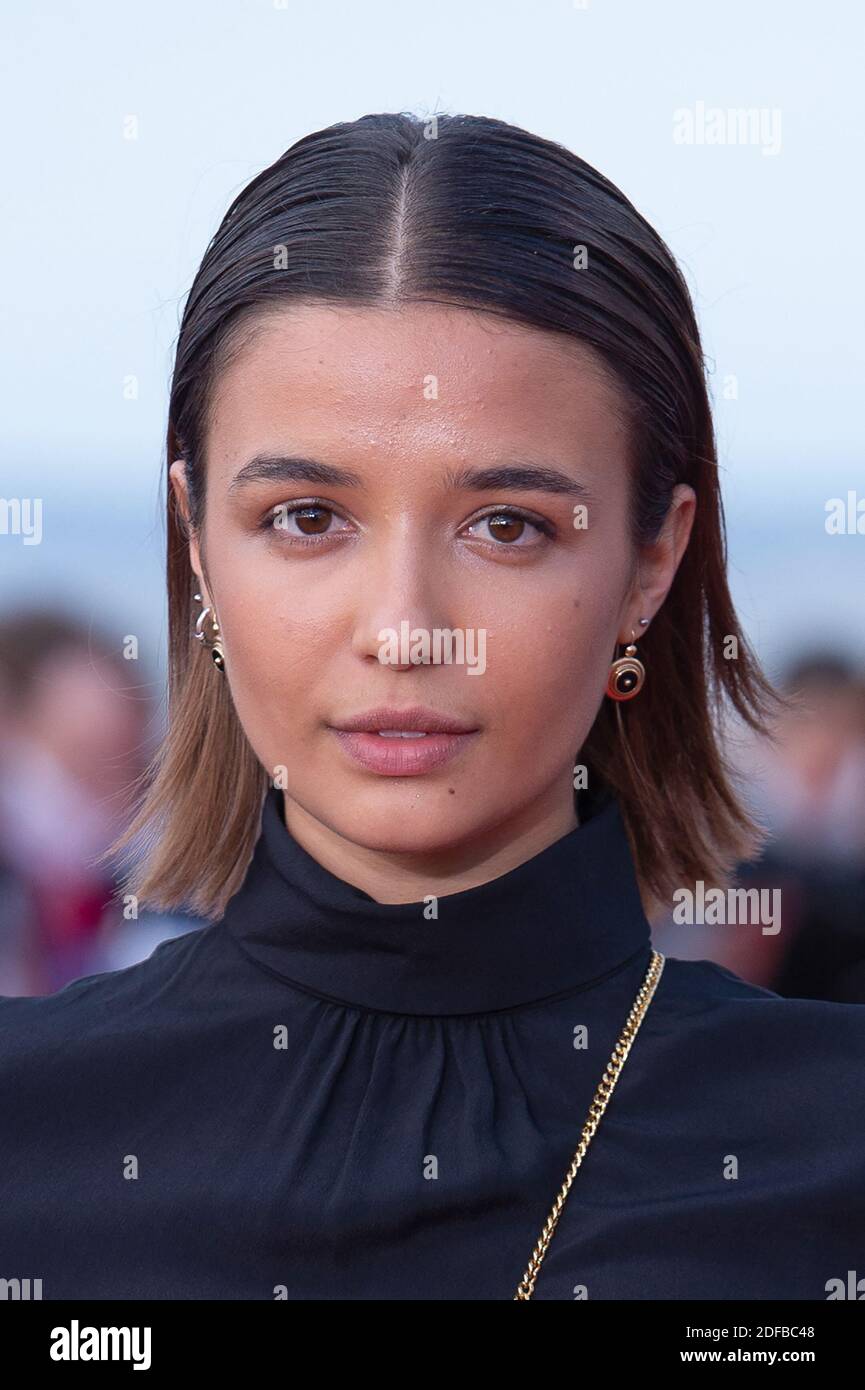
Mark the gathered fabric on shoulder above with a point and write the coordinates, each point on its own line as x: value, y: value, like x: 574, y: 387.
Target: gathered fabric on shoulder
x: 326, y: 1097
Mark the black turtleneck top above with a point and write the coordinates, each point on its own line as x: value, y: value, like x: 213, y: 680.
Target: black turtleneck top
x: 325, y: 1097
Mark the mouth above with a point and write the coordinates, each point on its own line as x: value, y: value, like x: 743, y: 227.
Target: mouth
x: 404, y: 743
x: 401, y: 733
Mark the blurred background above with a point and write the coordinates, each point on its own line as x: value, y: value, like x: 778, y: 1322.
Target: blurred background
x: 736, y: 131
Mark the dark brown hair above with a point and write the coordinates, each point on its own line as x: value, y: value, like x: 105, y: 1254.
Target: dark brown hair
x: 468, y: 211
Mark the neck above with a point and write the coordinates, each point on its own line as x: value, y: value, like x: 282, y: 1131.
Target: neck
x: 555, y: 922
x: 406, y: 876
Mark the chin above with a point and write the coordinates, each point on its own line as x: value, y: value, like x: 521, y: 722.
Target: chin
x: 407, y: 822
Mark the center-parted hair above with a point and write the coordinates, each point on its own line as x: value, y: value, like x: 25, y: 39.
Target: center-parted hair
x: 394, y: 209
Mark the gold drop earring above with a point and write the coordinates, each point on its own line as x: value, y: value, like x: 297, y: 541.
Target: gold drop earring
x: 215, y: 646
x: 627, y: 674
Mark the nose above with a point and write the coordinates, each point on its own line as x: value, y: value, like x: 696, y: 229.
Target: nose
x: 399, y: 592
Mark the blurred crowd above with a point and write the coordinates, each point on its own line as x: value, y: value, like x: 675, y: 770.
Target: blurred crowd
x: 78, y: 724
x: 806, y: 787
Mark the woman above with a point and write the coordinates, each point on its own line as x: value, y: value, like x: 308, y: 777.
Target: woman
x: 439, y: 447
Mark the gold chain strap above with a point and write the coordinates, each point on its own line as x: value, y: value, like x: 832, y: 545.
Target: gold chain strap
x: 620, y: 1052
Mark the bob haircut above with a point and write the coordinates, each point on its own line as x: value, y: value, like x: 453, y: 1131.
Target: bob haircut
x: 469, y: 211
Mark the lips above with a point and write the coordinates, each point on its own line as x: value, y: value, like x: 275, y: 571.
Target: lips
x: 403, y: 757
x: 411, y: 720
x: 403, y: 743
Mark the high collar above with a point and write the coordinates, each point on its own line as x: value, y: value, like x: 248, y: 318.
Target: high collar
x: 564, y: 918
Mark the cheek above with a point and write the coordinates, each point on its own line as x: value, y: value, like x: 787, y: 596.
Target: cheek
x: 274, y: 598
x: 275, y: 667
x: 278, y: 635
x: 550, y: 665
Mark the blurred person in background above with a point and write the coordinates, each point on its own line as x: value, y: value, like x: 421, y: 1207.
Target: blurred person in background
x: 808, y: 789
x: 811, y: 784
x: 73, y: 731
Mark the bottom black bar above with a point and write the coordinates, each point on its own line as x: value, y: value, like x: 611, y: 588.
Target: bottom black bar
x: 219, y: 1337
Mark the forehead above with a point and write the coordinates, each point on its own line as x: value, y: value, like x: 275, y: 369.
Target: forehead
x: 419, y: 377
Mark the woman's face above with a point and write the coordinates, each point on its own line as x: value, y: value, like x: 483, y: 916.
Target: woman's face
x: 453, y: 448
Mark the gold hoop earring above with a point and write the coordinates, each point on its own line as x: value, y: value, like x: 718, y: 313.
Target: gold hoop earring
x: 215, y: 647
x: 627, y: 674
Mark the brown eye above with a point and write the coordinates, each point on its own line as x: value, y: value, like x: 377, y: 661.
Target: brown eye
x: 512, y: 529
x: 311, y: 520
x: 504, y: 526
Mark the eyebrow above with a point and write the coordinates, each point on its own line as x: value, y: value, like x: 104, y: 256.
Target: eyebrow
x: 524, y: 476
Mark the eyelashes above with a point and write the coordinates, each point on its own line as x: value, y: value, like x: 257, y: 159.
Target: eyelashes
x: 278, y: 522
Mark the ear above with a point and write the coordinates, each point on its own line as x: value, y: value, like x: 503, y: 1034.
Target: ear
x: 657, y: 563
x: 177, y: 476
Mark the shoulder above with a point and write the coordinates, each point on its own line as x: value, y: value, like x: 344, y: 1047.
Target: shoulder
x: 100, y: 1005
x: 736, y: 1069
x: 705, y: 1016
x: 709, y: 987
